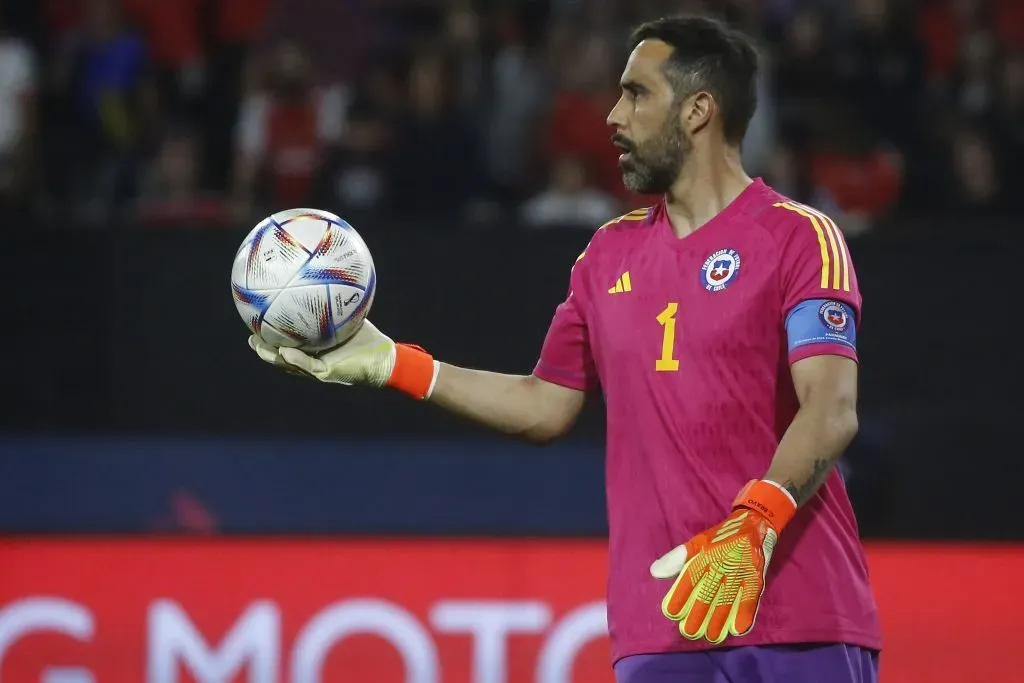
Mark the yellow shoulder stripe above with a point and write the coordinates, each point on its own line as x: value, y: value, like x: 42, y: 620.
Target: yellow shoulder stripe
x: 835, y: 261
x: 635, y: 215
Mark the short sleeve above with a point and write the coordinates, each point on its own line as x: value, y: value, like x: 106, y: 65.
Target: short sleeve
x: 821, y: 299
x: 565, y: 358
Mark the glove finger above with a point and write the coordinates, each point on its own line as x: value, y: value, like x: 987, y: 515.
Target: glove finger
x: 698, y: 609
x: 675, y: 603
x: 265, y: 351
x: 679, y: 600
x: 302, y: 361
x: 670, y: 564
x: 284, y: 365
x: 722, y: 617
x: 746, y: 610
x: 269, y: 354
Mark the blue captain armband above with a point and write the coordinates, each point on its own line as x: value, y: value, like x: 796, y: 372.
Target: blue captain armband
x: 821, y: 321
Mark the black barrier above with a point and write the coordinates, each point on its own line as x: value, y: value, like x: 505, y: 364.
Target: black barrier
x: 134, y: 333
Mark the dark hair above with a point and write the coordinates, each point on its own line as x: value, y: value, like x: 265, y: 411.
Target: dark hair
x: 708, y: 55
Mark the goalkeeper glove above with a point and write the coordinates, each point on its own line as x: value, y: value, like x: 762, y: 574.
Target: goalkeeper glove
x: 720, y: 573
x: 370, y: 358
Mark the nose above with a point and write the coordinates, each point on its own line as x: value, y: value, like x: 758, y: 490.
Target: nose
x: 616, y: 117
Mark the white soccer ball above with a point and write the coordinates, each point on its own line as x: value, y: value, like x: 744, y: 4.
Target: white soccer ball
x: 303, y: 278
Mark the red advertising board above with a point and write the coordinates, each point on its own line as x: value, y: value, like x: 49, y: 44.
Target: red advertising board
x: 430, y: 611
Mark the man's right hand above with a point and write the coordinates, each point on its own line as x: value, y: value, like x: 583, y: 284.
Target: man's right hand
x: 369, y: 358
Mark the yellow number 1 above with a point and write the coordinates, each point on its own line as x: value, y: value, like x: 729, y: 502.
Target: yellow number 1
x: 667, y: 318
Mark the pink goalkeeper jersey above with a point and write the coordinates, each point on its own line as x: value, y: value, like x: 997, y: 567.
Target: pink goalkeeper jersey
x: 691, y: 340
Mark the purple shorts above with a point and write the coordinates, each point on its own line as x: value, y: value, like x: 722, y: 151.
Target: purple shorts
x: 754, y: 664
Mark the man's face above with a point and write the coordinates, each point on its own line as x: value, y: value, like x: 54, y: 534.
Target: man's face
x: 647, y: 122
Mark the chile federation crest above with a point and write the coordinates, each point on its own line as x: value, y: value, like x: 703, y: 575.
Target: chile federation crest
x: 833, y: 315
x: 720, y: 269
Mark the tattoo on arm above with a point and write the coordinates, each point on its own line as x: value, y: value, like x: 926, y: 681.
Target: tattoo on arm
x: 802, y: 491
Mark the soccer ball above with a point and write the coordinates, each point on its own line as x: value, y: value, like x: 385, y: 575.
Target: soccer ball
x: 303, y: 278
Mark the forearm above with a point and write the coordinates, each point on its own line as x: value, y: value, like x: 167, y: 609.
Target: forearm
x: 810, y: 448
x: 518, y: 405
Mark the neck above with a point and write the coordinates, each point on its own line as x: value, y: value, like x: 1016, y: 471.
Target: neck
x: 708, y: 183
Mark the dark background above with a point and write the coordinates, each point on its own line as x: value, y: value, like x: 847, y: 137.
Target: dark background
x: 133, y: 404
x: 140, y: 396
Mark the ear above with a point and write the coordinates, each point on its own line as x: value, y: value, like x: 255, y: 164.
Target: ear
x: 697, y: 111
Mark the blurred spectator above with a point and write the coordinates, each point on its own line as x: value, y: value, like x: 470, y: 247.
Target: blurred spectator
x: 172, y: 33
x: 1008, y: 118
x: 18, y: 85
x: 107, y: 102
x: 790, y: 174
x: 881, y: 70
x: 498, y: 95
x: 1008, y: 22
x: 239, y: 22
x: 941, y: 25
x: 805, y: 66
x: 355, y: 178
x: 436, y: 162
x: 106, y: 70
x: 284, y: 132
x: 578, y: 121
x: 762, y: 131
x: 462, y: 35
x: 337, y: 35
x: 974, y: 184
x: 519, y: 94
x: 975, y: 72
x: 237, y: 26
x: 171, y: 194
x: 570, y: 201
x: 861, y: 176
x: 785, y: 174
x: 804, y: 72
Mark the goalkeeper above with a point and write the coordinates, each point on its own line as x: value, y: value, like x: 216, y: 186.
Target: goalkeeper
x: 720, y: 325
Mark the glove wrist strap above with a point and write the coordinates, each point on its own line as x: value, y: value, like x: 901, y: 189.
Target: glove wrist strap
x: 769, y: 499
x: 414, y: 371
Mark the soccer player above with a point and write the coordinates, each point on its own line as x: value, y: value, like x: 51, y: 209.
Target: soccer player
x: 720, y: 326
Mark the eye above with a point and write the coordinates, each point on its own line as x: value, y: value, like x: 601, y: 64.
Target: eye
x: 632, y: 91
x: 637, y: 93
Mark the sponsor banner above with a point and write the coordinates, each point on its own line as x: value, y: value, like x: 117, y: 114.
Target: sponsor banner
x: 419, y: 611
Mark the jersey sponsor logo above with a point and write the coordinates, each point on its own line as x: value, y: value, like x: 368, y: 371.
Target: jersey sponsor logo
x: 833, y: 315
x: 720, y: 269
x: 622, y: 284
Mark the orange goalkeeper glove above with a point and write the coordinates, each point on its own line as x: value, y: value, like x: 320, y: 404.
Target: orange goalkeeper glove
x: 719, y: 574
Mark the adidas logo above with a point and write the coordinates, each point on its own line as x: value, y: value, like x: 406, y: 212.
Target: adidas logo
x: 621, y: 285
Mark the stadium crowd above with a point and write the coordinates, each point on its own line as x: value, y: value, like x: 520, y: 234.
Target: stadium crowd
x: 160, y: 112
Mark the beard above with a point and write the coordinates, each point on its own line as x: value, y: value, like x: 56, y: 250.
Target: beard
x: 654, y: 165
